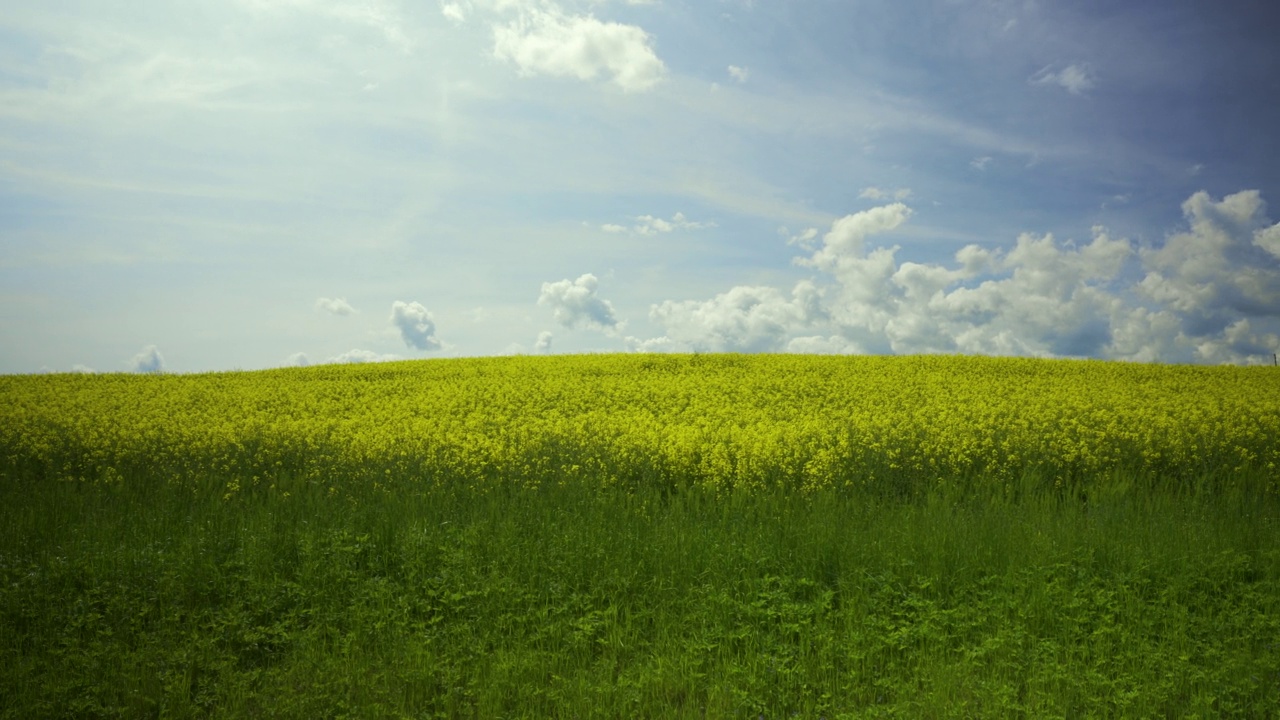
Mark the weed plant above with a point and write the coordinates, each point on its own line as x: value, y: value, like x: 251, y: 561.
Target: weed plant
x: 143, y: 599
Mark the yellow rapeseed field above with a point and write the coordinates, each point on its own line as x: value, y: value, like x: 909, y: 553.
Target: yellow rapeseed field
x: 719, y: 420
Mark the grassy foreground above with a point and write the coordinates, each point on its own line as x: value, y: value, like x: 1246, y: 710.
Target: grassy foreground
x: 140, y: 601
x: 313, y: 567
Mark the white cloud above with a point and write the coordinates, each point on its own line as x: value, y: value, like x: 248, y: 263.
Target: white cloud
x: 576, y: 304
x: 875, y: 193
x: 297, y: 359
x: 543, y: 345
x: 1223, y: 268
x: 417, y: 327
x: 1269, y: 239
x: 744, y: 319
x: 545, y: 41
x: 650, y: 225
x: 653, y: 345
x: 362, y: 356
x: 739, y: 74
x: 1239, y: 345
x: 823, y: 345
x: 334, y: 306
x: 1075, y: 79
x: 804, y: 238
x: 1041, y: 297
x: 453, y: 11
x: 148, y: 361
x: 843, y: 245
x: 83, y: 369
x: 980, y: 163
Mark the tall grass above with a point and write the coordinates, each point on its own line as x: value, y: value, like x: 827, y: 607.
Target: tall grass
x: 148, y: 598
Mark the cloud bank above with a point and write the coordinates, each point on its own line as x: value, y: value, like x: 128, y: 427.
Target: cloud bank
x: 1209, y: 294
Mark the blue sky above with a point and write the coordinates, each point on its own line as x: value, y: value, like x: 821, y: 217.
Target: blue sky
x: 256, y: 183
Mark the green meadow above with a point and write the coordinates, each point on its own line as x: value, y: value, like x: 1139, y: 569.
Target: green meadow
x: 643, y: 536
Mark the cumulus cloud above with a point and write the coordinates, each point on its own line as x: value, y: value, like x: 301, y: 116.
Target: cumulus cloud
x: 417, y: 327
x: 1209, y: 294
x: 543, y: 344
x: 577, y: 305
x: 297, y: 359
x: 148, y: 361
x: 739, y: 74
x: 1269, y: 239
x: 544, y: 40
x: 334, y: 306
x: 82, y: 369
x: 1075, y: 79
x: 744, y: 319
x: 842, y: 246
x: 1238, y: 344
x: 1224, y: 268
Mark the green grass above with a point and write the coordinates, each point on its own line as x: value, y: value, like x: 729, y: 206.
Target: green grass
x: 145, y: 599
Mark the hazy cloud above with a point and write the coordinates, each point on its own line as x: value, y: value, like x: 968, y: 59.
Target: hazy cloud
x: 297, y: 359
x: 362, y: 356
x: 739, y: 74
x: 823, y: 345
x: 649, y: 225
x: 577, y: 305
x: 543, y: 345
x: 417, y: 327
x: 875, y: 193
x: 453, y: 11
x: 1075, y: 79
x: 148, y: 361
x: 803, y: 238
x: 334, y: 306
x: 652, y: 225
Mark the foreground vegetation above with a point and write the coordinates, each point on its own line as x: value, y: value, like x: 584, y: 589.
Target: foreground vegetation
x: 613, y: 536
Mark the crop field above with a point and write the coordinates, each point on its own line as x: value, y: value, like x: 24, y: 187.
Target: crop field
x: 691, y: 536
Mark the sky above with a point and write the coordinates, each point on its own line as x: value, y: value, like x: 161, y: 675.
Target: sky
x: 243, y: 184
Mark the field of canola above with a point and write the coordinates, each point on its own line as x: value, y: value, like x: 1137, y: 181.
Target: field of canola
x: 725, y: 421
x: 777, y: 537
